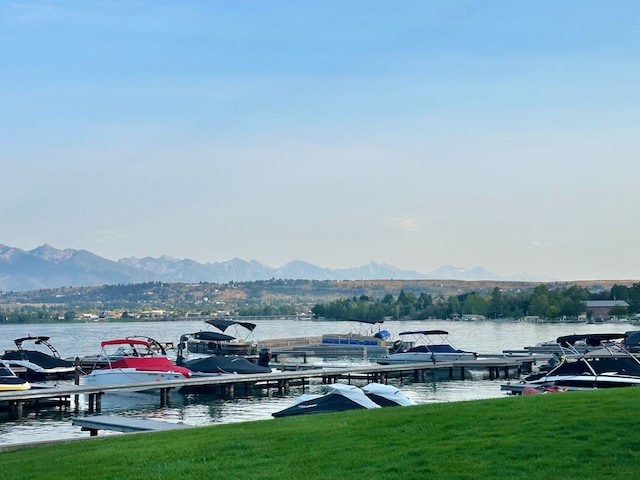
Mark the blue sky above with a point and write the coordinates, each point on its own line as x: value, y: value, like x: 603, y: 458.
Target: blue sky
x: 418, y: 134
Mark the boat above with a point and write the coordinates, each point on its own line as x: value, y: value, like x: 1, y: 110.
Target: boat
x: 38, y: 364
x: 215, y: 364
x: 9, y: 381
x: 609, y: 366
x: 132, y: 360
x: 387, y: 395
x: 579, y: 344
x: 369, y: 336
x: 338, y: 397
x: 424, y: 349
x: 224, y: 344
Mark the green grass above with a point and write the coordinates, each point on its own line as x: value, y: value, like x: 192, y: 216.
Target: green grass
x: 585, y: 435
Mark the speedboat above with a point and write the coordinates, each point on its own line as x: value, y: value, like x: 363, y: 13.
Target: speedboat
x: 424, y: 349
x: 132, y: 360
x: 9, y: 381
x: 38, y: 364
x: 338, y: 398
x: 221, y: 343
x: 578, y: 342
x: 609, y: 366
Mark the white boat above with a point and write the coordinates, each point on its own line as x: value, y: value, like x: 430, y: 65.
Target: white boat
x: 40, y: 361
x: 610, y: 366
x: 424, y: 349
x: 368, y: 335
x: 9, y: 381
x: 387, y: 395
x: 338, y: 397
x: 133, y: 361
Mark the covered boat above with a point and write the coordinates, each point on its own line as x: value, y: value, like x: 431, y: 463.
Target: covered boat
x: 424, y: 349
x: 37, y: 359
x: 387, y: 395
x: 339, y: 397
x: 199, y: 364
x: 133, y: 360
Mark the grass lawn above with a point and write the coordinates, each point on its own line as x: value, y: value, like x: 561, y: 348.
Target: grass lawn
x: 574, y: 435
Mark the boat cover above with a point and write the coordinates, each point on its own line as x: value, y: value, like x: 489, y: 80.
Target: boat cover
x: 219, y: 364
x: 339, y: 398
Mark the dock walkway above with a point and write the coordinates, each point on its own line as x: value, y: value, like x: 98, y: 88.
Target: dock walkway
x: 228, y: 384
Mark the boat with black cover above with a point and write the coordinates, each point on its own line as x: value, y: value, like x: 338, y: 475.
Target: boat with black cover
x: 38, y: 364
x: 214, y: 364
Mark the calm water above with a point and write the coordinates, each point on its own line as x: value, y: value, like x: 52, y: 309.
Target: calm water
x: 73, y: 340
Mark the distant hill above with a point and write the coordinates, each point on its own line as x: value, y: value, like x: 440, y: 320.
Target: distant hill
x: 48, y: 267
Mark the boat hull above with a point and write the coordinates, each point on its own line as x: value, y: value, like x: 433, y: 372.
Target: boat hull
x: 123, y: 376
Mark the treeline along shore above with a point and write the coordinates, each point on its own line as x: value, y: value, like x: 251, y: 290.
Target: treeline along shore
x: 340, y: 300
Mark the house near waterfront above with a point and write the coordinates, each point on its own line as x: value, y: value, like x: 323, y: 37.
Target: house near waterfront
x: 601, y: 308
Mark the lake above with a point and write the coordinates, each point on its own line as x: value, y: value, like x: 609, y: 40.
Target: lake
x: 84, y: 339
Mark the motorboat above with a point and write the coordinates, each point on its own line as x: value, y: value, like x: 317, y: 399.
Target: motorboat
x: 221, y: 343
x: 199, y: 364
x: 338, y: 397
x: 9, y: 381
x: 35, y: 358
x: 370, y: 335
x: 424, y: 349
x: 578, y: 342
x: 132, y: 360
x: 609, y: 366
x: 387, y: 395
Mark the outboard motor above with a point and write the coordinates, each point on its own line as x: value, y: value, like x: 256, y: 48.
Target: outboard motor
x: 264, y: 357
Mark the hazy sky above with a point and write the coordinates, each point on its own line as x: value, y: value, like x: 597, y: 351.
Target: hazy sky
x: 415, y: 133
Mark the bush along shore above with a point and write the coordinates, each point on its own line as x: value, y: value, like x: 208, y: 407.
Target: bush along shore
x: 586, y: 435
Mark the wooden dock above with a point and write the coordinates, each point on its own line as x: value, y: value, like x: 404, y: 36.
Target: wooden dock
x: 122, y: 424
x: 229, y: 384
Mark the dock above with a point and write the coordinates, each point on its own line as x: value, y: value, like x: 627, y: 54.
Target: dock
x: 230, y: 384
x: 122, y: 424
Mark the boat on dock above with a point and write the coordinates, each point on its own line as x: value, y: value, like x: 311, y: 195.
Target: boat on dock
x: 220, y: 342
x: 35, y: 359
x: 132, y: 360
x: 424, y: 349
x: 369, y: 334
x: 9, y: 381
x: 606, y: 364
x: 200, y: 364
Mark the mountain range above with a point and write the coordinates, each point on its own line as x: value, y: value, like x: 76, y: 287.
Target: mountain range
x: 49, y: 267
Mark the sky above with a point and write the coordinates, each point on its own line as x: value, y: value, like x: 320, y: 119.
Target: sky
x: 417, y: 133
